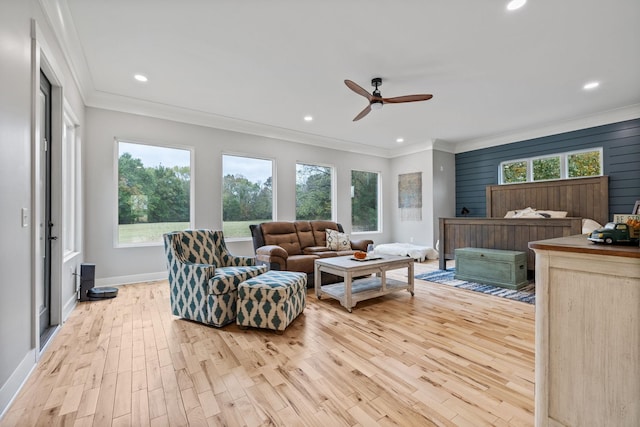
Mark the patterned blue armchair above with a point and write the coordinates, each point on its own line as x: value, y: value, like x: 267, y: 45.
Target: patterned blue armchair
x: 204, y: 276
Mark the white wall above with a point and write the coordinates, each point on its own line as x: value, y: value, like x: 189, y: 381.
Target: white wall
x: 18, y: 263
x: 15, y: 191
x: 438, y: 194
x: 444, y: 188
x: 121, y: 265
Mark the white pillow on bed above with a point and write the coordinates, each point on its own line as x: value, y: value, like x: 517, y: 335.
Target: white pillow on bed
x: 526, y: 213
x: 533, y: 213
x: 554, y: 214
x: 589, y: 225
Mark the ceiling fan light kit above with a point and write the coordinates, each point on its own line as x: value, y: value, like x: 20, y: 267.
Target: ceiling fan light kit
x: 376, y: 101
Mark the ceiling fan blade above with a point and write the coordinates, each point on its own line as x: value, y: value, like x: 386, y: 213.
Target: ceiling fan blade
x: 363, y: 113
x: 358, y: 89
x: 407, y: 98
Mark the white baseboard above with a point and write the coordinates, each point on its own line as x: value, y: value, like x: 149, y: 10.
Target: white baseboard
x: 134, y: 278
x: 9, y: 390
x: 69, y: 306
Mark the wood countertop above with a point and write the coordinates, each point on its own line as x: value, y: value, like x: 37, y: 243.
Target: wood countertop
x: 580, y: 244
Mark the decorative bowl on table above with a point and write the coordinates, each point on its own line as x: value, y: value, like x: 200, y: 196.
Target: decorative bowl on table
x: 360, y: 255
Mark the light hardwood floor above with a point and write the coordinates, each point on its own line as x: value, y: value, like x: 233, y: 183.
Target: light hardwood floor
x: 445, y: 357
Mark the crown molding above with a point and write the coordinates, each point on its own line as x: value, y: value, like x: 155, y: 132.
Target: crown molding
x: 598, y: 119
x: 431, y: 144
x: 141, y: 107
x: 59, y: 18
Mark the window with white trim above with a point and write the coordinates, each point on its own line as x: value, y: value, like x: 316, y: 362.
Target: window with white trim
x: 247, y: 194
x: 314, y: 191
x: 546, y: 168
x: 584, y: 163
x: 154, y: 192
x: 571, y: 164
x: 70, y: 193
x: 365, y: 201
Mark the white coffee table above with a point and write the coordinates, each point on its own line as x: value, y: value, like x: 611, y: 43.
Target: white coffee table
x: 350, y: 291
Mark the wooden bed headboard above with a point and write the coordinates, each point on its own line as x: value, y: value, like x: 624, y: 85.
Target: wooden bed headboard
x: 580, y: 197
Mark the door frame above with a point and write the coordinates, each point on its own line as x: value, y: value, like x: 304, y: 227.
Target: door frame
x: 43, y: 60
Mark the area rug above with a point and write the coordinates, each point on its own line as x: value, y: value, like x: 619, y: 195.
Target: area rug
x: 445, y: 277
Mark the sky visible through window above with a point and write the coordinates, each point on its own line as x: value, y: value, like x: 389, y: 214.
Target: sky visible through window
x: 152, y: 156
x: 255, y: 170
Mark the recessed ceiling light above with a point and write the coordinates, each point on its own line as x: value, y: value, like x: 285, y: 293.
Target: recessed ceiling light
x: 515, y: 4
x: 399, y: 140
x: 591, y: 85
x: 140, y: 78
x: 308, y: 118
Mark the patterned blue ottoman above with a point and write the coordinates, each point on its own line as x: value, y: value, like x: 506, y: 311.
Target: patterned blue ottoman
x: 271, y: 300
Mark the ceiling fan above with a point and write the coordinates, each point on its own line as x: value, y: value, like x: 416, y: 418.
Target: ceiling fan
x: 376, y: 100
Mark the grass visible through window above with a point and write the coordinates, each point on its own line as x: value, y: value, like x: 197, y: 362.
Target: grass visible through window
x: 129, y: 234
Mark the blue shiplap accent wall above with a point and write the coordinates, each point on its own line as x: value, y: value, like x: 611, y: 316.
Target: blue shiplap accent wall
x: 621, y: 151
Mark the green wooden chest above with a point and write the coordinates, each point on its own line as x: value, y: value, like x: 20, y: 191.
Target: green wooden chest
x: 507, y: 269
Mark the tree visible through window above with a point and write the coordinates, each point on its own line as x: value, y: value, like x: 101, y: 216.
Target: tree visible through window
x: 313, y: 192
x: 154, y: 192
x: 573, y: 164
x: 513, y: 172
x: 247, y: 194
x: 364, y: 201
x: 585, y: 163
x: 546, y: 168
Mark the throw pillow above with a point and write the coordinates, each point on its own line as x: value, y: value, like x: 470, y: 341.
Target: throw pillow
x: 589, y: 225
x: 344, y: 243
x: 332, y: 240
x: 526, y: 212
x: 337, y: 241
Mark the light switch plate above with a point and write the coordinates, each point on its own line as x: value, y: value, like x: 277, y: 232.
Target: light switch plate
x: 25, y: 217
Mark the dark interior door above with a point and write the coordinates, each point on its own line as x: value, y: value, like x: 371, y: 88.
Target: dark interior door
x: 46, y: 224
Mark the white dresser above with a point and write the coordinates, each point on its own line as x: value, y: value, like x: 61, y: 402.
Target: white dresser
x: 587, y: 333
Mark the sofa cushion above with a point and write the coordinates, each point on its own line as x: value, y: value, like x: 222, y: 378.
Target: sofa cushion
x: 302, y: 263
x: 282, y: 234
x: 305, y: 234
x: 315, y: 250
x: 330, y: 254
x: 338, y: 241
x: 227, y: 279
x: 320, y: 231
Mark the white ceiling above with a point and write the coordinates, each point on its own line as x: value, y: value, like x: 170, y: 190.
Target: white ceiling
x: 260, y: 66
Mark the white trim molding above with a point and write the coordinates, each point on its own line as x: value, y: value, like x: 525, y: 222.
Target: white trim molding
x: 613, y: 116
x: 133, y: 278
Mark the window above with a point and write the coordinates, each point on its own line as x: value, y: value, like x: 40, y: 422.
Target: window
x: 364, y: 201
x: 584, y: 163
x: 545, y: 168
x: 313, y: 192
x: 574, y: 164
x: 154, y: 192
x: 247, y: 194
x: 70, y: 193
x: 513, y: 172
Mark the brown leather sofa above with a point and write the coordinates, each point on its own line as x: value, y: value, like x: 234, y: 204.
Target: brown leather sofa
x: 294, y: 246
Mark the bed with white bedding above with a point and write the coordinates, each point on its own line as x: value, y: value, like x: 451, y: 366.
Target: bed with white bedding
x: 419, y: 253
x: 531, y: 211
